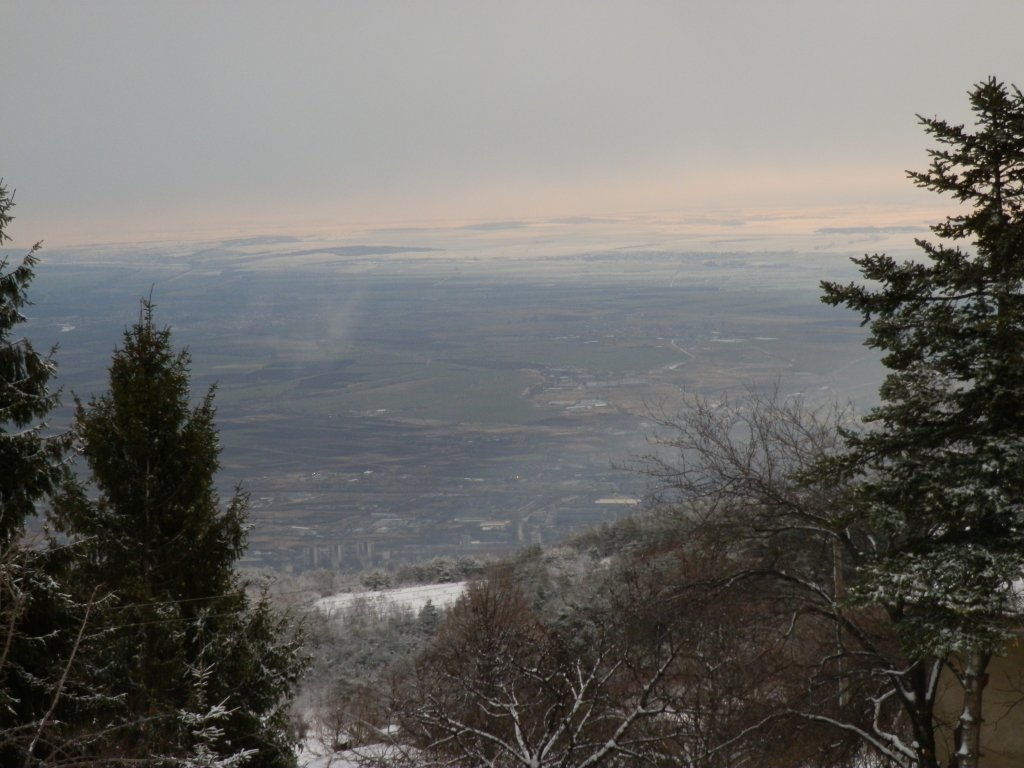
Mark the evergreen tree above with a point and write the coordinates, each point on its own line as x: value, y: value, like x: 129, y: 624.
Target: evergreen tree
x: 30, y: 460
x: 46, y: 636
x: 187, y: 639
x: 942, y: 470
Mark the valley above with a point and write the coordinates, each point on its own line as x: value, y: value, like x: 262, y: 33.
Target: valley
x: 388, y: 403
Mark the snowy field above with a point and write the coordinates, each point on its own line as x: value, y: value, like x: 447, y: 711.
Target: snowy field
x: 313, y: 752
x: 314, y: 756
x: 401, y: 598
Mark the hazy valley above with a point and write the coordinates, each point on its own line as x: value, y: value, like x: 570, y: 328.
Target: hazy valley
x: 403, y: 394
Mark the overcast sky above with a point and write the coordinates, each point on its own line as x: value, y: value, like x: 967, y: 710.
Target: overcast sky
x: 186, y: 118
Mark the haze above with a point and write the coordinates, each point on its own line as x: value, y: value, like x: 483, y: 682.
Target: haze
x: 128, y: 120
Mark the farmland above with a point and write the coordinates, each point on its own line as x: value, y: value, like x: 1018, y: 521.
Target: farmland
x: 445, y: 395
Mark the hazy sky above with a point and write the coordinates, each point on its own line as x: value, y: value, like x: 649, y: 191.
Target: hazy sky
x: 188, y: 118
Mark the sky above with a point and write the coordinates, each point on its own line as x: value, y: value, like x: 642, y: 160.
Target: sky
x: 125, y: 120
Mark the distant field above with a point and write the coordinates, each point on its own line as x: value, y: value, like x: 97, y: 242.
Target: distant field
x: 382, y: 601
x: 387, y: 405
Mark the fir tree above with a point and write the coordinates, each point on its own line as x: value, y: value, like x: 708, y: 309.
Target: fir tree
x: 188, y: 641
x: 48, y: 695
x: 942, y: 470
x: 153, y: 458
x: 30, y: 460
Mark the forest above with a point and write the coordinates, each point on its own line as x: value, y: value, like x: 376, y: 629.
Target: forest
x: 806, y: 586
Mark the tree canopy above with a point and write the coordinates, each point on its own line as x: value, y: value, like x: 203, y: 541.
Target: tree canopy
x: 940, y: 473
x: 187, y: 641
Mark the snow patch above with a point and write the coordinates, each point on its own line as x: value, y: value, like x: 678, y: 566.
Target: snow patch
x: 408, y: 598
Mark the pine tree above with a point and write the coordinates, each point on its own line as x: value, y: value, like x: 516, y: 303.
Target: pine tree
x: 153, y: 458
x: 45, y: 634
x: 30, y: 460
x: 941, y: 471
x: 187, y: 641
x: 29, y: 466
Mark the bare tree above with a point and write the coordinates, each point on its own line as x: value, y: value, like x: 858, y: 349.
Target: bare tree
x: 749, y: 482
x: 502, y: 687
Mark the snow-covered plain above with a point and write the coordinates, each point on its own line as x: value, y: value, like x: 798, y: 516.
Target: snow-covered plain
x: 313, y: 753
x: 315, y: 756
x: 403, y: 598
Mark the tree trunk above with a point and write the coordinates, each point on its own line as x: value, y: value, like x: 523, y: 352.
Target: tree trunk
x: 975, y: 677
